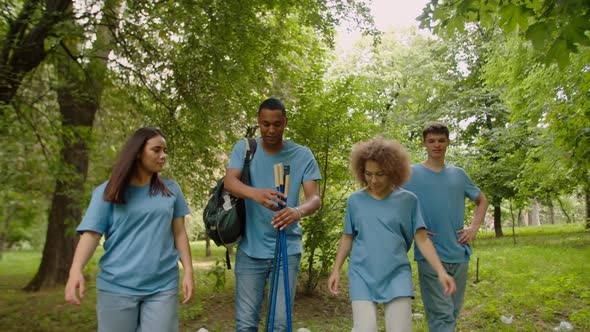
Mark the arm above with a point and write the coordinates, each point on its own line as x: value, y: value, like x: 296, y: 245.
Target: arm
x: 182, y: 245
x: 285, y: 217
x: 343, y: 250
x: 84, y: 250
x: 428, y: 251
x: 481, y: 206
x: 265, y: 197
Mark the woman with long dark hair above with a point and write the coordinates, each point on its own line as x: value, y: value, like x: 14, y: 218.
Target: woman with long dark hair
x: 141, y: 216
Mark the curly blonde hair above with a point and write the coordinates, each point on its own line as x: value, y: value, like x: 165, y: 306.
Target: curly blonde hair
x: 388, y: 153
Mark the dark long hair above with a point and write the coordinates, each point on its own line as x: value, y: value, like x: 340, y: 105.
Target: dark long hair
x: 126, y: 164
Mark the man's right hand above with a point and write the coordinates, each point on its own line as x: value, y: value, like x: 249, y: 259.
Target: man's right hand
x: 268, y: 198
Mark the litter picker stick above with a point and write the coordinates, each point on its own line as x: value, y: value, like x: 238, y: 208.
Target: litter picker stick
x: 282, y: 181
x: 283, y: 237
x: 274, y: 280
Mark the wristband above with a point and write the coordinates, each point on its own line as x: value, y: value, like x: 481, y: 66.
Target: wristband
x: 298, y: 213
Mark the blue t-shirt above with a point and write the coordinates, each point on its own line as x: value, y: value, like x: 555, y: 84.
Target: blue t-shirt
x: 442, y: 199
x: 140, y: 257
x: 260, y: 237
x: 383, y: 231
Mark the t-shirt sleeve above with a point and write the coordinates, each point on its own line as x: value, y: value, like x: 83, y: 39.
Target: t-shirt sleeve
x: 471, y: 190
x: 180, y: 207
x: 348, y: 226
x: 312, y: 170
x: 98, y: 215
x: 236, y: 159
x: 417, y: 219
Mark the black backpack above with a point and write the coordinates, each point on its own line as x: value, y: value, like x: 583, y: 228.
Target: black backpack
x: 225, y: 215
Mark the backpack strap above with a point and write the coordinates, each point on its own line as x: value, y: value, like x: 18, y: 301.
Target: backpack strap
x: 250, y: 149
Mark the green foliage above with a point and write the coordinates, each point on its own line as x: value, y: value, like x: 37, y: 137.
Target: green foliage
x: 555, y: 28
x: 218, y: 273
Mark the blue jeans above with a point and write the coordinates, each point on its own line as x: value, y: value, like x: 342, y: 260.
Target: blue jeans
x: 442, y: 311
x: 137, y: 313
x: 251, y: 277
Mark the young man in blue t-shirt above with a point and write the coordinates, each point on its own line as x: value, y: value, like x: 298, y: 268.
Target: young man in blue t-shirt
x: 254, y: 257
x: 441, y: 189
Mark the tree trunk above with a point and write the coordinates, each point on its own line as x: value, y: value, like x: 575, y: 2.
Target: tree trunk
x: 79, y: 91
x: 4, y: 233
x: 567, y: 216
x: 535, y: 219
x: 551, y: 212
x: 498, y: 220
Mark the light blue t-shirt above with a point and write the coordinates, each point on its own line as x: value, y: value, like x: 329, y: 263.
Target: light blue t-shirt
x: 140, y: 257
x: 260, y: 237
x: 442, y: 199
x: 383, y: 231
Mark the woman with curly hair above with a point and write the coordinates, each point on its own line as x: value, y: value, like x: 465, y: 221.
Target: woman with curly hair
x: 382, y: 220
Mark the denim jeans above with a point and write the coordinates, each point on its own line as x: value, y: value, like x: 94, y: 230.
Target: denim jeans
x: 137, y: 313
x: 442, y: 311
x: 251, y: 277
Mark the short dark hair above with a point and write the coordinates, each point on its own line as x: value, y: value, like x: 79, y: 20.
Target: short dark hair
x: 435, y: 128
x: 272, y: 104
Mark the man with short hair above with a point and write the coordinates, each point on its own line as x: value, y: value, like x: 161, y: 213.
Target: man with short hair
x: 441, y: 189
x: 255, y: 254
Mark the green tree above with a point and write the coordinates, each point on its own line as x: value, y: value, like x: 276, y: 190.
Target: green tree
x: 79, y: 90
x: 555, y: 28
x: 25, y: 36
x: 554, y: 101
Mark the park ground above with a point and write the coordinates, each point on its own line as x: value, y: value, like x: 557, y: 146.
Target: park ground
x: 539, y: 277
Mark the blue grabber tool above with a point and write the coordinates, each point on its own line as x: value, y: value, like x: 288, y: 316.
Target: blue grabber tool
x: 282, y: 180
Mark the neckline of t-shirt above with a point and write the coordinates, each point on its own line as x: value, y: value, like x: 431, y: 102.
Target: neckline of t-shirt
x: 131, y: 185
x: 445, y: 166
x: 283, y: 149
x: 396, y: 190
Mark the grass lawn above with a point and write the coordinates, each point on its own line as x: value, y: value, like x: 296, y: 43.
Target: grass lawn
x: 541, y: 277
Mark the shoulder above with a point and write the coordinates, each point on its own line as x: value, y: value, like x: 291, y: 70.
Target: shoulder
x: 357, y: 195
x: 99, y: 190
x: 171, y: 184
x: 241, y: 144
x: 418, y: 167
x: 455, y: 169
x: 292, y: 146
x: 407, y: 195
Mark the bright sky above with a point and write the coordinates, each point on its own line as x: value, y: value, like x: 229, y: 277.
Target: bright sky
x: 387, y: 14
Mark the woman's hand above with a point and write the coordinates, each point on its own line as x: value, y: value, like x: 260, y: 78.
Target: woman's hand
x: 188, y: 287
x: 75, y: 281
x: 333, y: 282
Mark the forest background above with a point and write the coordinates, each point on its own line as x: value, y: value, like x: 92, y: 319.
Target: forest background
x: 511, y: 78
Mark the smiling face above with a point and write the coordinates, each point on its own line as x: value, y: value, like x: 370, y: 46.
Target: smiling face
x: 378, y: 183
x: 153, y: 156
x: 272, y: 124
x: 436, y: 146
